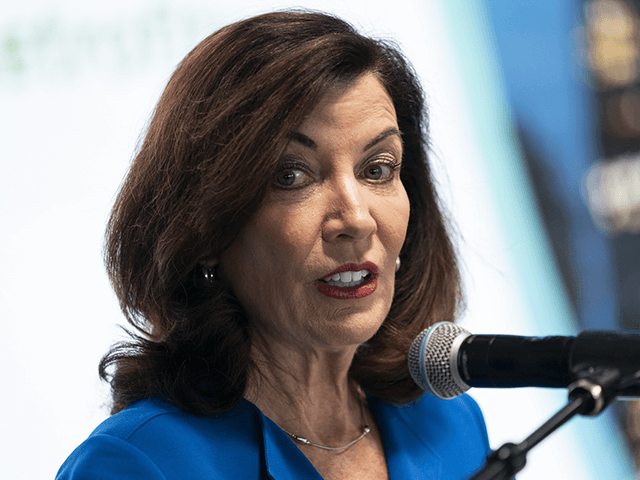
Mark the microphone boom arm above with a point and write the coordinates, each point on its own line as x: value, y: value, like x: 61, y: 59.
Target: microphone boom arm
x: 589, y: 395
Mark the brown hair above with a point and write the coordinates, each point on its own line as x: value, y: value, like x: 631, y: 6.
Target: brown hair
x: 210, y: 152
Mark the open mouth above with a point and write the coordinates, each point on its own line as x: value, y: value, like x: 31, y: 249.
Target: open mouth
x: 348, y: 279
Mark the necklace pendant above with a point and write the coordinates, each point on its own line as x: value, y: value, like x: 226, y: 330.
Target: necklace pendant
x: 364, y: 433
x: 300, y: 439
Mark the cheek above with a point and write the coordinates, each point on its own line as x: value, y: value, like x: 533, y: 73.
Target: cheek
x: 288, y: 239
x: 265, y: 263
x: 252, y: 267
x: 276, y: 238
x: 394, y: 220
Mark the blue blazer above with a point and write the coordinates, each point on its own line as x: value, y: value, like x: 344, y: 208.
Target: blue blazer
x: 154, y: 440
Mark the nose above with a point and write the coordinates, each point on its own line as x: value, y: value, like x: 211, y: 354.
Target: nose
x: 349, y: 212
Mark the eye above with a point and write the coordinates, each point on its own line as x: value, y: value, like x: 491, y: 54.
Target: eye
x: 377, y: 172
x: 291, y: 176
x: 286, y: 178
x: 380, y: 171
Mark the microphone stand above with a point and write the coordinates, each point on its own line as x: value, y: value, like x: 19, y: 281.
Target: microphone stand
x: 589, y: 395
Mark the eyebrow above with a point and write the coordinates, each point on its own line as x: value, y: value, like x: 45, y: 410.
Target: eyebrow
x: 302, y: 139
x: 387, y: 133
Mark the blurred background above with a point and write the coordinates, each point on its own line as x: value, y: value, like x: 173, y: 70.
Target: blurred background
x: 535, y: 121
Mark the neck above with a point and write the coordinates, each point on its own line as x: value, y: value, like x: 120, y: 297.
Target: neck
x: 308, y: 392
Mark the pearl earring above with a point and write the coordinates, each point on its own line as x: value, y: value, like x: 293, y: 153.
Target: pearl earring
x: 397, y: 264
x: 209, y: 273
x: 209, y: 270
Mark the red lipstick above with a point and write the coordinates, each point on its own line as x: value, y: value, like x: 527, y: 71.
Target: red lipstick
x: 350, y: 293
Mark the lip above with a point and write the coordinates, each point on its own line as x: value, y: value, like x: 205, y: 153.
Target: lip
x: 351, y: 293
x: 352, y: 267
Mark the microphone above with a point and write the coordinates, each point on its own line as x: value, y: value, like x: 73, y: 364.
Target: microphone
x: 446, y: 360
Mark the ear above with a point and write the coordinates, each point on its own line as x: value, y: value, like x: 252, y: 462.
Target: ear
x: 209, y: 262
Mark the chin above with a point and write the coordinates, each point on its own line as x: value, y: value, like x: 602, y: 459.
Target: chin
x: 356, y: 330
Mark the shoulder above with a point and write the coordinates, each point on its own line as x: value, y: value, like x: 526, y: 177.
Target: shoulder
x: 146, y: 422
x: 153, y: 439
x: 145, y: 414
x: 448, y: 433
x: 459, y: 419
x: 459, y: 410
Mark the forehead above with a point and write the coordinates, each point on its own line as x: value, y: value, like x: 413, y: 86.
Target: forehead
x: 363, y: 102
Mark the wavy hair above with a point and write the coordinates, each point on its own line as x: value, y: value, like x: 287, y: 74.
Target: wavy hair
x: 210, y: 152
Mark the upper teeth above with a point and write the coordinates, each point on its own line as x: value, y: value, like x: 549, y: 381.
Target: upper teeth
x: 346, y: 278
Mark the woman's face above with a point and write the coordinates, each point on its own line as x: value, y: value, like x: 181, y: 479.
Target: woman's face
x: 315, y: 266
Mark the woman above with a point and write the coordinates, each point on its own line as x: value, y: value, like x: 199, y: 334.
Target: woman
x: 278, y: 245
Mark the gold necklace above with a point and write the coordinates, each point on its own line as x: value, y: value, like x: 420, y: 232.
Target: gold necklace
x: 365, y: 431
